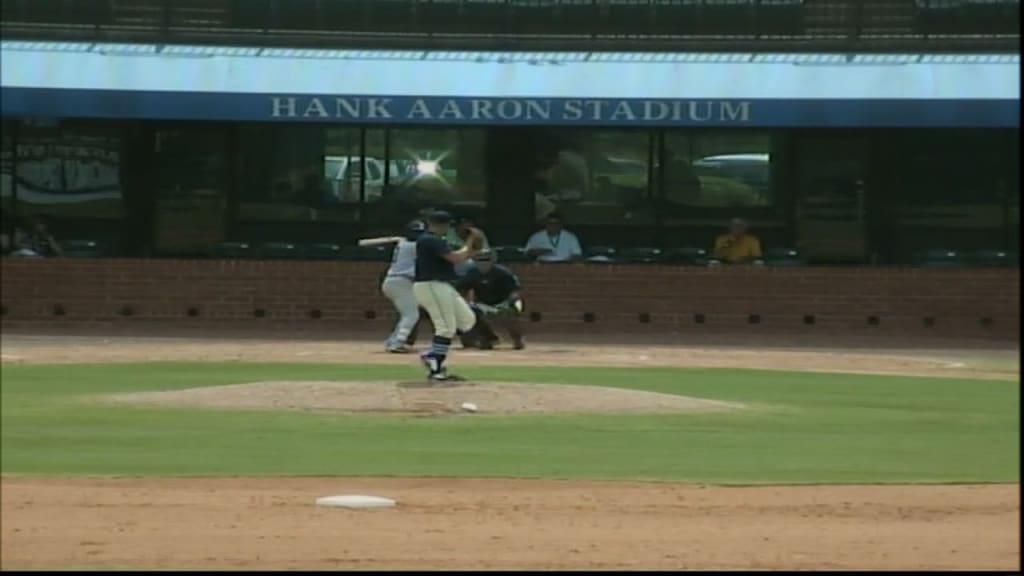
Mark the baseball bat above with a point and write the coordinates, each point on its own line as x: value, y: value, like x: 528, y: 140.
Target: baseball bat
x: 379, y: 240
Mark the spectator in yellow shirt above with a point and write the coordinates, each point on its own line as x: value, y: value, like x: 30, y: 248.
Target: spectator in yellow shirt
x: 737, y: 246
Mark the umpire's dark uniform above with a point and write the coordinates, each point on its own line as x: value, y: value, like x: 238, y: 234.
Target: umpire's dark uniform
x: 494, y: 286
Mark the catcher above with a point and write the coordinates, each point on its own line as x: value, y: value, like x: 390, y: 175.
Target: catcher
x: 494, y: 294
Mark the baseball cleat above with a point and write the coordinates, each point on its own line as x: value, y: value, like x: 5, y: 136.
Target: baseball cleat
x: 431, y: 363
x: 400, y: 349
x: 445, y: 377
x: 517, y: 343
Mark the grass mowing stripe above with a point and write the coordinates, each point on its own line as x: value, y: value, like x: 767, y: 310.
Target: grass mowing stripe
x: 817, y: 428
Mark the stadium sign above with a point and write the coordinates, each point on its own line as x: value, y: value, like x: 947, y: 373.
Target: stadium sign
x: 510, y: 110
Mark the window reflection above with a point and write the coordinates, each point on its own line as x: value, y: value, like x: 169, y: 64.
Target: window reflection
x: 71, y: 171
x: 718, y: 170
x: 424, y: 167
x: 430, y: 166
x: 949, y: 190
x: 591, y: 176
x: 343, y: 169
x: 7, y: 169
x: 301, y: 173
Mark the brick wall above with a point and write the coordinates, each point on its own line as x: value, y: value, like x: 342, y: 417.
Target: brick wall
x: 655, y: 299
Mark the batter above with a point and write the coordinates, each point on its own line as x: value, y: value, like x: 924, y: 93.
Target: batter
x: 397, y: 287
x: 435, y: 274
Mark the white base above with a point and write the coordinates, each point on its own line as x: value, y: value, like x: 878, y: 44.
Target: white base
x: 355, y: 501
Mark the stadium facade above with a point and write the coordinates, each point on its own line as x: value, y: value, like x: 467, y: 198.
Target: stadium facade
x: 162, y: 139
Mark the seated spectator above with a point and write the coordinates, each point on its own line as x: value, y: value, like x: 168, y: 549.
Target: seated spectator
x: 459, y: 234
x: 554, y: 243
x: 463, y: 228
x: 37, y: 241
x: 737, y: 246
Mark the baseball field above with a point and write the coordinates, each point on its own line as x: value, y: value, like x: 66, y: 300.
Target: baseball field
x: 127, y: 452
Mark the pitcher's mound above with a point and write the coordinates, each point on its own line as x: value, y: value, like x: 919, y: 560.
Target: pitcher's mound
x: 398, y: 398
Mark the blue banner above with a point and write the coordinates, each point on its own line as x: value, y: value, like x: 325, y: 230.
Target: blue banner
x: 663, y: 112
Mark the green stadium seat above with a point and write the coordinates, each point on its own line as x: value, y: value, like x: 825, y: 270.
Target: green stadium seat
x: 233, y: 250
x: 941, y: 259
x: 391, y: 16
x: 346, y: 15
x: 198, y: 14
x: 580, y: 15
x: 779, y: 17
x: 640, y: 255
x: 727, y: 17
x: 992, y: 16
x: 626, y: 17
x: 940, y: 16
x: 510, y: 253
x: 689, y: 255
x: 675, y: 17
x: 323, y: 251
x: 280, y: 251
x: 485, y: 16
x: 85, y: 248
x: 994, y: 259
x: 779, y: 256
x: 442, y: 16
x: 297, y: 15
x: 39, y: 11
x: 539, y: 17
x: 254, y: 14
x: 367, y: 253
x: 599, y: 254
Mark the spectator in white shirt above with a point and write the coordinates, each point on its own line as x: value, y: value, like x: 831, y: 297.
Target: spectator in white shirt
x: 554, y: 243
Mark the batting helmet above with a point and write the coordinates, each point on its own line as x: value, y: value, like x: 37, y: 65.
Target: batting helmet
x: 414, y: 229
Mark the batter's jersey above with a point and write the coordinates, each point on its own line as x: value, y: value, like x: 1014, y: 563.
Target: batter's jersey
x: 492, y: 287
x: 431, y: 265
x: 403, y: 260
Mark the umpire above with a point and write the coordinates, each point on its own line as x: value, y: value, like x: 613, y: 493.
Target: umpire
x: 495, y: 299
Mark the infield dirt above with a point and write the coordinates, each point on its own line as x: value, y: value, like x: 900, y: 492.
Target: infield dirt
x: 271, y: 523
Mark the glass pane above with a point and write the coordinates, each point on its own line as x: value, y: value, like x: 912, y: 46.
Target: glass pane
x: 594, y: 177
x: 724, y: 169
x: 342, y: 169
x: 950, y: 189
x: 70, y: 171
x: 300, y: 173
x: 830, y: 207
x: 426, y: 167
x: 7, y: 170
x: 190, y: 204
x: 6, y: 188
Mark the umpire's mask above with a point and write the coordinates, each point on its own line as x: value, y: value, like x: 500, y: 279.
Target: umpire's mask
x: 484, y: 260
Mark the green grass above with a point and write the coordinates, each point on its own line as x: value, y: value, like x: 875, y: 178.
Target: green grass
x: 803, y: 428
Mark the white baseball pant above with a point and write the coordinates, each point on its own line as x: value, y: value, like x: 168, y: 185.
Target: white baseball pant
x: 449, y: 312
x: 399, y: 290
